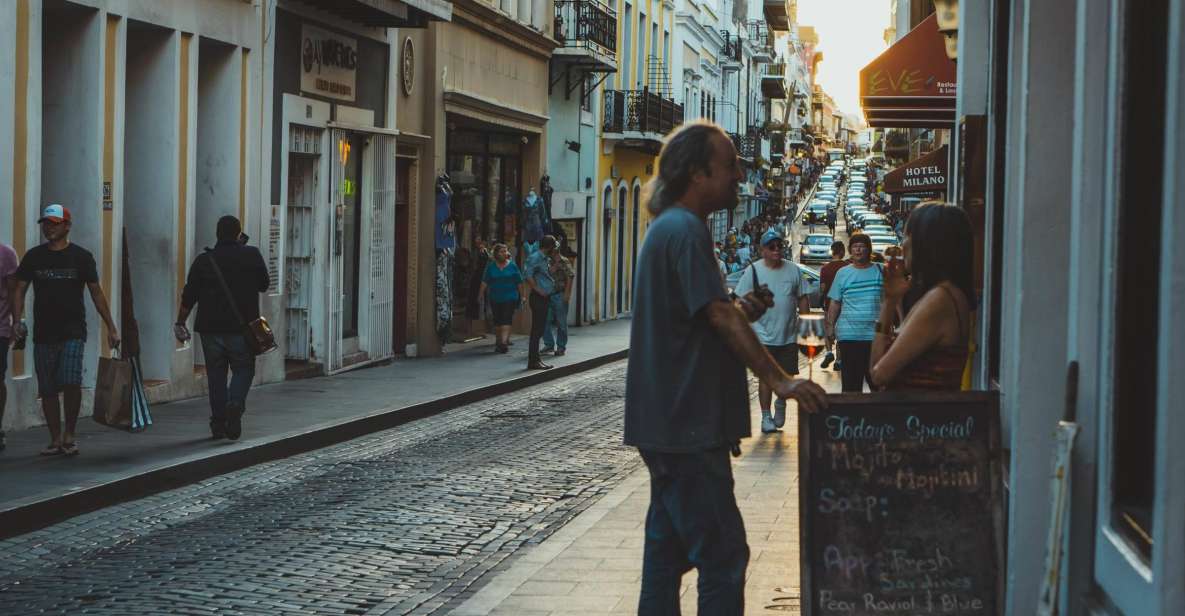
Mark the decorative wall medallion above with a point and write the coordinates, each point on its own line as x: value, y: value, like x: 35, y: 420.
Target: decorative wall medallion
x: 408, y: 66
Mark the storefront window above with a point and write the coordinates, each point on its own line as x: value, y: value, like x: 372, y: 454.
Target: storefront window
x: 1138, y: 274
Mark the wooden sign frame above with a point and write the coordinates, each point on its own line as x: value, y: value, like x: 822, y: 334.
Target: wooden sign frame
x: 983, y: 404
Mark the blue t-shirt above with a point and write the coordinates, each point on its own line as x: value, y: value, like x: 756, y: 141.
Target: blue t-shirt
x: 503, y: 282
x: 538, y: 267
x: 860, y: 292
x: 685, y: 391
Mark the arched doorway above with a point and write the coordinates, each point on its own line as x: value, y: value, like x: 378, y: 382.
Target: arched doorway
x: 622, y: 195
x: 606, y: 203
x: 635, y: 239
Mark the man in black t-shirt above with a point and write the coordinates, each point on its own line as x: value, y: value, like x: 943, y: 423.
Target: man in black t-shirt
x: 58, y: 271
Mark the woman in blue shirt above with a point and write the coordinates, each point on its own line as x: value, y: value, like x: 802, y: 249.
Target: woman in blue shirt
x: 505, y: 283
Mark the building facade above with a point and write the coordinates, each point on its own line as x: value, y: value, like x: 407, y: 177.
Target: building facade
x: 137, y: 117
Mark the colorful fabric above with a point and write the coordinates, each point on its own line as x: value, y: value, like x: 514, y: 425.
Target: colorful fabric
x: 561, y: 272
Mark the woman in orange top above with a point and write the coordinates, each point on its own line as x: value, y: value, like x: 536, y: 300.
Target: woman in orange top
x: 933, y: 288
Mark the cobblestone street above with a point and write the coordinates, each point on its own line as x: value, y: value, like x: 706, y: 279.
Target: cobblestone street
x: 401, y: 522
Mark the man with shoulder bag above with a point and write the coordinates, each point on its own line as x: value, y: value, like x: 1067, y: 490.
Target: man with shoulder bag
x: 232, y: 334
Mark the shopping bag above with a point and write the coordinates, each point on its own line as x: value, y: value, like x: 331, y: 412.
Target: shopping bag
x: 113, y: 393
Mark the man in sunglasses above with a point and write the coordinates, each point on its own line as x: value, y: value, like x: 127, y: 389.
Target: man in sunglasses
x: 777, y: 329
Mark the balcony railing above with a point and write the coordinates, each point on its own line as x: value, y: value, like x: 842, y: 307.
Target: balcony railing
x: 748, y: 145
x: 640, y: 111
x: 761, y: 37
x: 732, y: 47
x: 586, y: 24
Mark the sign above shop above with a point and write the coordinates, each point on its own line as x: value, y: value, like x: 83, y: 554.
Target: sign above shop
x: 912, y: 84
x: 328, y: 63
x: 921, y: 175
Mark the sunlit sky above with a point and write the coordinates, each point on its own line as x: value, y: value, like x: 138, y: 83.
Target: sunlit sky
x: 851, y: 34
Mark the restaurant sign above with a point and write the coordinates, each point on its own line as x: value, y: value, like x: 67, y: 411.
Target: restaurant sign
x: 328, y: 63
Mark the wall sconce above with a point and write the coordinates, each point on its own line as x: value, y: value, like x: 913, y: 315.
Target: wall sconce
x: 947, y: 12
x: 573, y: 145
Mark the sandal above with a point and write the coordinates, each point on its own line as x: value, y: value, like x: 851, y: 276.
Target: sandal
x: 52, y: 450
x: 70, y: 449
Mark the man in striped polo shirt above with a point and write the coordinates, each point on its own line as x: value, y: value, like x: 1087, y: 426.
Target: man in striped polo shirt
x: 851, y: 318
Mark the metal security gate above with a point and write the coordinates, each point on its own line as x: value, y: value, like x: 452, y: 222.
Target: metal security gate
x: 304, y: 162
x: 380, y: 343
x: 335, y: 262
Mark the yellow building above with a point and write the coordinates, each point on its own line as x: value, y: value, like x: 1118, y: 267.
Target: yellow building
x: 638, y: 111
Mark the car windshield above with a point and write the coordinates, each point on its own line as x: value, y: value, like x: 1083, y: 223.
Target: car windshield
x: 818, y: 240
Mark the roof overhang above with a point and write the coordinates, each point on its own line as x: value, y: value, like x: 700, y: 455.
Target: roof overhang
x: 387, y: 13
x: 912, y: 84
x: 924, y: 174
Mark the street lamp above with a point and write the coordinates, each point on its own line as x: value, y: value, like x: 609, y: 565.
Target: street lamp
x: 947, y: 12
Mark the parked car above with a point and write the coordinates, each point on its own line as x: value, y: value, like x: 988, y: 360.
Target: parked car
x: 810, y: 284
x: 881, y: 242
x: 815, y: 247
x: 871, y: 229
x: 872, y: 219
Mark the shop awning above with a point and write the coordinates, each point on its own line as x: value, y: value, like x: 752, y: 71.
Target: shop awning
x: 912, y: 84
x: 387, y: 13
x: 921, y: 175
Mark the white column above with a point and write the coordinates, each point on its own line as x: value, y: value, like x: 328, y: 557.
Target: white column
x: 1035, y: 277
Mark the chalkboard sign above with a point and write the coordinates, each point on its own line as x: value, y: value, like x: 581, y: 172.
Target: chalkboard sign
x: 900, y: 498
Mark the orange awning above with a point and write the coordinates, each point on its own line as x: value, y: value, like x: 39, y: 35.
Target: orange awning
x: 921, y: 175
x: 912, y: 84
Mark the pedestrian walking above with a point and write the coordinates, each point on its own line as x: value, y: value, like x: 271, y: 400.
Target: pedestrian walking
x: 538, y: 275
x: 686, y: 401
x: 59, y: 270
x: 557, y: 306
x: 224, y: 345
x: 929, y: 351
x: 831, y: 219
x: 777, y: 329
x: 504, y: 281
x: 826, y: 278
x: 8, y: 264
x: 851, y: 316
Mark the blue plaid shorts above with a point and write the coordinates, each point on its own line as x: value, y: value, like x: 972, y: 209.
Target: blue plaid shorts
x: 58, y: 364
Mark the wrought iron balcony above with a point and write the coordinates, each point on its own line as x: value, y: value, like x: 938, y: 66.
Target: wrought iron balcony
x: 731, y: 52
x: 641, y: 111
x: 777, y: 15
x: 748, y: 145
x: 586, y: 30
x: 773, y: 81
x: 762, y: 40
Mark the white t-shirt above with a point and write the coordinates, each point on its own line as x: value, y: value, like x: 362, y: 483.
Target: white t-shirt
x: 779, y: 325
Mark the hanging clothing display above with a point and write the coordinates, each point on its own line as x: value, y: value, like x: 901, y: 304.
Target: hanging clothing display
x: 445, y: 252
x: 534, y: 218
x: 444, y: 294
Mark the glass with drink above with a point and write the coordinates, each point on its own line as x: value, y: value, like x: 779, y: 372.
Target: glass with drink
x: 811, y: 339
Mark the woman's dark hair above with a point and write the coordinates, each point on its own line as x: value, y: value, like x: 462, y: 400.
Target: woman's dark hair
x: 687, y: 150
x: 942, y: 248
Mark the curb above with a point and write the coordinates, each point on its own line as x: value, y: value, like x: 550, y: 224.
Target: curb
x: 34, y: 514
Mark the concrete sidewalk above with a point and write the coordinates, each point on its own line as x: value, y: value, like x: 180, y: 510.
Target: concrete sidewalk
x: 282, y: 419
x: 594, y: 564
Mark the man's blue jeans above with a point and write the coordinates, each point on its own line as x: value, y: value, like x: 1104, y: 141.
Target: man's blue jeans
x: 224, y: 351
x: 557, y: 313
x: 693, y: 521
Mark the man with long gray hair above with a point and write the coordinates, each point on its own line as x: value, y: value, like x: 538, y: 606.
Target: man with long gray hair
x: 686, y: 400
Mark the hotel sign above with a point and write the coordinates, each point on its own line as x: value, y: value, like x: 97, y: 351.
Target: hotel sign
x: 925, y: 174
x: 328, y: 63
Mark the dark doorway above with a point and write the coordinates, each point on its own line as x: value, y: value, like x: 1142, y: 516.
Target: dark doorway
x: 403, y: 168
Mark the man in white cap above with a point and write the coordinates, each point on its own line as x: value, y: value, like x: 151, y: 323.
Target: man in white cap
x: 59, y: 270
x: 777, y: 329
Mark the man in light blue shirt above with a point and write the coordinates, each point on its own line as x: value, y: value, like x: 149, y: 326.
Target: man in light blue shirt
x: 538, y: 275
x: 851, y: 318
